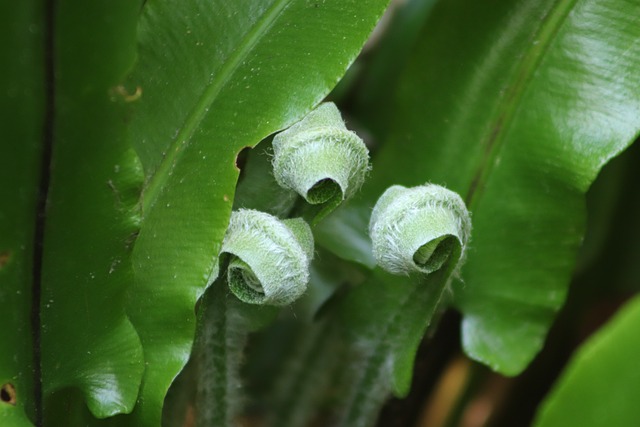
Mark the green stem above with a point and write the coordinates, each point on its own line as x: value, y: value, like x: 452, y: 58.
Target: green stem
x: 369, y: 391
x: 299, y: 392
x: 218, y: 352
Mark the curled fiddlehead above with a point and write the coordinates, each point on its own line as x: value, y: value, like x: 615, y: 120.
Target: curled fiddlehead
x: 320, y: 158
x: 422, y: 230
x: 269, y: 262
x: 419, y: 229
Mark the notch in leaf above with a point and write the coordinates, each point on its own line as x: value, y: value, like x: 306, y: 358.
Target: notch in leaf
x: 420, y: 229
x: 269, y: 257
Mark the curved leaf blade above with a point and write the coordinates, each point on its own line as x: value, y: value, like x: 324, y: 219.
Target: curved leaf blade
x: 88, y: 342
x: 594, y: 118
x: 524, y: 107
x: 215, y: 77
x: 346, y: 233
x: 597, y: 387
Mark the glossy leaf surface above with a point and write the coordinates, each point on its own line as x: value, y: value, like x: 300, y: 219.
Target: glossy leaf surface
x: 517, y: 111
x: 599, y: 386
x: 215, y: 77
x: 92, y: 214
x: 64, y: 95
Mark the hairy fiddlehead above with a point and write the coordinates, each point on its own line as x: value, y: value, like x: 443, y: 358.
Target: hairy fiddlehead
x: 320, y: 158
x: 269, y: 261
x: 419, y: 229
x: 266, y: 260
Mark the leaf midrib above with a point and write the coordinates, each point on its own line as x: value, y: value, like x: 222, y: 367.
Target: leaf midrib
x: 199, y: 112
x: 503, y: 119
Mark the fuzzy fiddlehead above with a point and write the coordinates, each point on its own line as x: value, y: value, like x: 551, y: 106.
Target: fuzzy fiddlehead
x: 421, y: 232
x: 320, y: 159
x: 269, y: 258
x: 267, y: 263
x: 419, y: 229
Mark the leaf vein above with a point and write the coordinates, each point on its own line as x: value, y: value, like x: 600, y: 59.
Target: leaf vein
x: 494, y: 139
x: 209, y: 95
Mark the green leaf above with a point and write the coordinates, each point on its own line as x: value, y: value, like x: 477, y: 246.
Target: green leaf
x: 599, y: 386
x: 345, y: 233
x: 386, y: 318
x: 92, y: 214
x: 215, y: 77
x: 516, y: 106
x: 305, y: 375
x: 382, y: 71
x: 65, y: 262
x: 257, y: 187
x: 22, y: 111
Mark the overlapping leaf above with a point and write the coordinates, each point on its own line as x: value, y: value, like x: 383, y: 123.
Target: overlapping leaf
x: 516, y: 106
x: 80, y: 270
x: 92, y: 213
x: 215, y: 77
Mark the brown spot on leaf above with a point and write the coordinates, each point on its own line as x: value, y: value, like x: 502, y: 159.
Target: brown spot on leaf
x: 8, y: 394
x: 5, y: 256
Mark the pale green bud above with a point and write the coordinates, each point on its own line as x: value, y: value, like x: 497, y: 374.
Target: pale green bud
x: 419, y: 229
x: 270, y: 258
x: 320, y: 158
